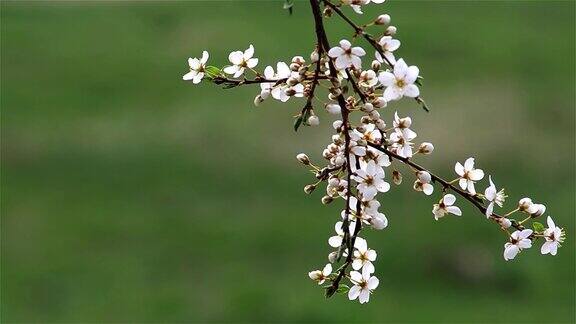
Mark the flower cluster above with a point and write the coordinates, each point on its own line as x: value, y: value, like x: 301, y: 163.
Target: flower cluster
x: 365, y: 147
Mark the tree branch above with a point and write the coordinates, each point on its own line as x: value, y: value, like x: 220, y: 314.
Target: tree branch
x: 446, y: 184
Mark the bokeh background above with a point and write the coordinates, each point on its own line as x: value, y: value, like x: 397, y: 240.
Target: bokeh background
x: 130, y: 195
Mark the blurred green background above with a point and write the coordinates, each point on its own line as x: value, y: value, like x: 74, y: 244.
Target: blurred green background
x: 130, y: 195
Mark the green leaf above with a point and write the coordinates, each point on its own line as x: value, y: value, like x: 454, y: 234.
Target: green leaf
x: 538, y: 227
x: 343, y: 289
x: 297, y: 122
x: 212, y: 72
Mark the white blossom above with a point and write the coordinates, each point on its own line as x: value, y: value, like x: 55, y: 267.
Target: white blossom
x: 240, y: 61
x: 519, y: 240
x: 423, y: 183
x: 363, y: 256
x: 321, y: 275
x: 388, y: 45
x: 197, y: 67
x: 402, y: 142
x: 527, y: 206
x: 426, y: 148
x: 364, y: 284
x: 494, y: 197
x: 468, y: 175
x: 400, y: 83
x: 371, y: 180
x: 347, y: 56
x: 368, y: 79
x: 368, y: 132
x: 336, y: 241
x: 553, y: 236
x: 379, y: 221
x: 337, y: 187
x: 267, y: 88
x: 445, y: 206
x: 375, y: 155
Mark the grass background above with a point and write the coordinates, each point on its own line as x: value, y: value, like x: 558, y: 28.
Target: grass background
x: 129, y: 195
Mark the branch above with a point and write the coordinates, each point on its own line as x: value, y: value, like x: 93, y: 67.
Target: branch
x: 446, y: 184
x: 232, y: 83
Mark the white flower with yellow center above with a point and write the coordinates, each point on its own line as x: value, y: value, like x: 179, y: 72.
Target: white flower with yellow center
x: 519, y: 240
x: 363, y: 256
x: 321, y: 275
x: 468, y: 175
x: 197, y: 68
x: 494, y: 197
x: 446, y: 206
x: 241, y: 61
x: 554, y: 236
x: 400, y: 83
x: 371, y: 181
x: 364, y: 284
x: 347, y: 56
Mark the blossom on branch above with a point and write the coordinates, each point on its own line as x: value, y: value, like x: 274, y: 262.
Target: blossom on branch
x: 400, y: 82
x: 197, y: 67
x: 347, y: 56
x: 241, y: 61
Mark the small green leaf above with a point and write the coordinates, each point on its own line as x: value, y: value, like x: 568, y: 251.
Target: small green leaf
x: 538, y: 227
x: 419, y: 80
x: 297, y: 122
x: 212, y: 72
x: 342, y: 289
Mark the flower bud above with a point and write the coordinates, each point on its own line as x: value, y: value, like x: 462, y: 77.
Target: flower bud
x: 396, y: 177
x: 333, y: 109
x: 339, y: 160
x: 426, y: 148
x: 258, y: 100
x: 309, y: 188
x: 303, y: 158
x: 382, y: 20
x: 537, y: 210
x: 368, y: 107
x: 379, y: 222
x: 333, y: 257
x: 424, y: 176
x: 298, y: 60
x: 374, y: 114
x: 504, y: 222
x: 379, y: 102
x: 380, y: 124
x: 332, y: 97
x: 327, y: 12
x: 313, y: 120
x: 390, y: 31
x: 314, y: 57
x: 524, y: 204
x: 337, y: 124
x: 365, y: 120
x: 376, y: 65
x: 327, y: 199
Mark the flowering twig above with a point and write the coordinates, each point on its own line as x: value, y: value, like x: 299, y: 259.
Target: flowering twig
x: 359, y: 153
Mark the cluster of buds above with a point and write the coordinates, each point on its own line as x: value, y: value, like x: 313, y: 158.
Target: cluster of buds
x: 362, y: 150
